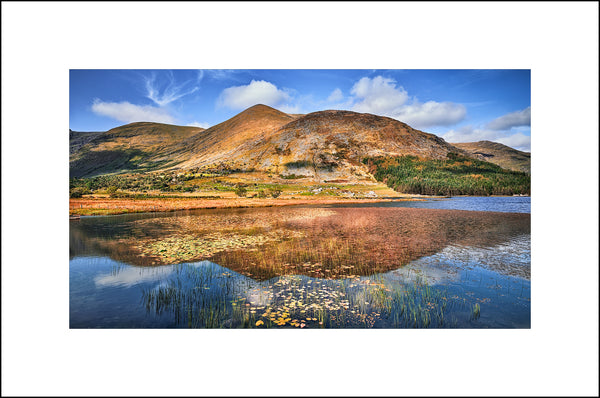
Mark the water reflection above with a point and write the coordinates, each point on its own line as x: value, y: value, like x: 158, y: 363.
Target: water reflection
x: 130, y: 276
x: 302, y: 268
x: 325, y: 243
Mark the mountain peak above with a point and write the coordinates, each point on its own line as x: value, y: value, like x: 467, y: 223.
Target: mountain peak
x: 261, y: 106
x: 259, y: 111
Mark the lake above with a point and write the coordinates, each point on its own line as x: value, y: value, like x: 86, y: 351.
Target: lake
x: 442, y: 263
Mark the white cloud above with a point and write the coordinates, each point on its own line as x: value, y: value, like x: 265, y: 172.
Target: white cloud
x: 513, y: 119
x: 132, y: 276
x: 517, y: 140
x: 257, y: 92
x: 171, y: 92
x: 127, y: 112
x: 381, y: 96
x: 335, y: 96
x: 378, y: 95
x: 197, y: 124
x: 431, y: 113
x: 469, y: 134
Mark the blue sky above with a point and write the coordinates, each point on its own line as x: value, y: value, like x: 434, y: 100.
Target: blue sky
x: 457, y: 105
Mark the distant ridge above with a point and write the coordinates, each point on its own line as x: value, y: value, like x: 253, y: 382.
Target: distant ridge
x: 500, y: 154
x: 141, y: 146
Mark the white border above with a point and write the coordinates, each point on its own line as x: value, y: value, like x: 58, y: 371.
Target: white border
x: 42, y: 41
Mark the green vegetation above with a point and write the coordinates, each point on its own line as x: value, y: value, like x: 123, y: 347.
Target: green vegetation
x: 134, y: 182
x: 164, y: 182
x: 321, y: 164
x: 241, y: 191
x: 78, y: 192
x: 299, y: 164
x: 192, y: 180
x: 291, y: 176
x: 456, y: 175
x: 109, y: 161
x: 476, y: 311
x: 265, y: 193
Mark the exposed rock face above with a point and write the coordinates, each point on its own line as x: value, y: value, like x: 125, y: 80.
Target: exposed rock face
x: 329, y: 145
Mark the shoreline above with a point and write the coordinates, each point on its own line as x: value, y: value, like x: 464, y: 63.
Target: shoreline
x: 113, y: 206
x: 103, y: 206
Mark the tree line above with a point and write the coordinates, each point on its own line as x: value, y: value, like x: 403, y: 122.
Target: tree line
x: 455, y: 175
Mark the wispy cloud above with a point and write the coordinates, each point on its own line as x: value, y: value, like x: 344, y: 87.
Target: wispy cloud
x: 381, y: 96
x: 256, y: 92
x: 510, y: 120
x: 128, y: 112
x: 469, y: 133
x: 223, y: 74
x: 165, y: 92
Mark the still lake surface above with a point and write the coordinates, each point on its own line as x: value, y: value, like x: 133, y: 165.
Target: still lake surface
x: 459, y: 262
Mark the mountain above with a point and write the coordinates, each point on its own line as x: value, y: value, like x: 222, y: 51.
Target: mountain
x: 328, y: 145
x: 502, y: 155
x: 224, y: 141
x: 141, y: 146
x: 320, y: 146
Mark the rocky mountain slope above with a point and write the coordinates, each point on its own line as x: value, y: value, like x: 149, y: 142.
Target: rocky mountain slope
x: 320, y: 146
x: 328, y: 145
x: 502, y: 155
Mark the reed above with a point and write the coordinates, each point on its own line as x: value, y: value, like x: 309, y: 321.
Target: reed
x: 204, y: 297
x: 476, y: 312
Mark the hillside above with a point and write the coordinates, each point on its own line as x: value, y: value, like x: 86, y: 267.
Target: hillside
x: 141, y: 146
x: 223, y: 142
x: 329, y: 145
x: 502, y: 155
x: 78, y: 139
x: 325, y: 146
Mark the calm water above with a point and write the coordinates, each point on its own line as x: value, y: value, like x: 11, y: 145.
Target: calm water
x: 404, y: 265
x: 515, y: 204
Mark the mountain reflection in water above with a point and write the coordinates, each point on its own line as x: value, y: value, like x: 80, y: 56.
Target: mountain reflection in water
x: 264, y: 243
x: 314, y: 267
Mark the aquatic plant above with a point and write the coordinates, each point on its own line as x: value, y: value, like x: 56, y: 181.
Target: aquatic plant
x: 476, y: 312
x: 200, y: 297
